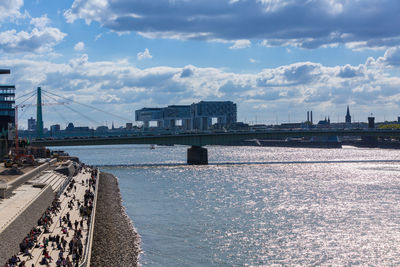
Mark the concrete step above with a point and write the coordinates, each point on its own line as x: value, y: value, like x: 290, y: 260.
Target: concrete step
x: 43, y: 178
x: 58, y: 183
x: 54, y: 181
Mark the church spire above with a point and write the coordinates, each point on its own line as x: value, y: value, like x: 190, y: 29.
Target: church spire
x: 348, y: 117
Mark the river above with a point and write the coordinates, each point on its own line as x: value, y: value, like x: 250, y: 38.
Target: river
x: 259, y: 206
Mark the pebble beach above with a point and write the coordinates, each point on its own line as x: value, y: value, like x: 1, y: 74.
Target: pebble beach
x: 115, y: 240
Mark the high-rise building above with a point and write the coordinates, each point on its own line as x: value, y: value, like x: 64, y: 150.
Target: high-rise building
x: 348, y: 117
x: 54, y: 129
x: 7, y: 103
x: 31, y: 124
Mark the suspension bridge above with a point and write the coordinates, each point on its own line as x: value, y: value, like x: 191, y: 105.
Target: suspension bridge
x: 70, y: 108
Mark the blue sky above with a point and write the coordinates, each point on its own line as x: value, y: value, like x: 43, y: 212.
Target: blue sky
x: 275, y: 58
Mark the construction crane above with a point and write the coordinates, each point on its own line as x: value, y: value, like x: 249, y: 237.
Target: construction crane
x: 17, y: 156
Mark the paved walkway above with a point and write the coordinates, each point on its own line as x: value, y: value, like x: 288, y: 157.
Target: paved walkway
x: 63, y: 230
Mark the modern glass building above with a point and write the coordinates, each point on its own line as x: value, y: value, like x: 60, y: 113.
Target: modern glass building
x: 197, y: 116
x: 7, y: 104
x: 204, y: 111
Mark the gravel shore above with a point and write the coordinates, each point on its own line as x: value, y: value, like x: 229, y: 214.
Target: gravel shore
x: 115, y: 240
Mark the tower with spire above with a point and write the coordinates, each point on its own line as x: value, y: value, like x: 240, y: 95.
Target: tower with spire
x: 348, y: 117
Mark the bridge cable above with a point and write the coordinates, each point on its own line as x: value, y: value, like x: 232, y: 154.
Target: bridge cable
x: 79, y: 113
x: 27, y: 98
x: 25, y: 107
x: 89, y: 106
x: 58, y: 113
x: 34, y: 92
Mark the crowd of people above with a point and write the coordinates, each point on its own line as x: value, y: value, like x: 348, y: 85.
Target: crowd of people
x: 69, y: 252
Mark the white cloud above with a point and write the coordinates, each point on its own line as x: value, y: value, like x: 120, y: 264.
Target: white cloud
x: 240, y: 44
x: 144, y: 55
x: 252, y: 60
x: 80, y: 46
x: 88, y: 10
x: 371, y: 87
x: 76, y: 62
x: 274, y: 5
x: 301, y: 23
x: 40, y: 22
x: 39, y: 40
x: 391, y: 57
x: 10, y: 9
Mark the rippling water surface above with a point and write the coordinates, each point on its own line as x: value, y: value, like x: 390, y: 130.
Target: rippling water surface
x: 274, y: 206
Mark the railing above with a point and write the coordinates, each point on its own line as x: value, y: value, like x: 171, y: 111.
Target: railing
x: 214, y: 138
x: 63, y: 186
x: 89, y: 238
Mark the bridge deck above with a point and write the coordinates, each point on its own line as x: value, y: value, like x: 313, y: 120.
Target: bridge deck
x: 203, y: 139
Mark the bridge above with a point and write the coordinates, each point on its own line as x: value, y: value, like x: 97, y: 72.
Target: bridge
x: 197, y: 154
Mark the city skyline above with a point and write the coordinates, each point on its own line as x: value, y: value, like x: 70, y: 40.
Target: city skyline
x: 125, y: 55
x: 154, y: 123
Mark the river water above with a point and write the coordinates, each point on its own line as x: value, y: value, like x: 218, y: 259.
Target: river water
x: 257, y: 206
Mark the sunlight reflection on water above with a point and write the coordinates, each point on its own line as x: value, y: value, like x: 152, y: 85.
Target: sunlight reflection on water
x: 264, y: 214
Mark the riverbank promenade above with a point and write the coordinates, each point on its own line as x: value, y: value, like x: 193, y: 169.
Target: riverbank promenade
x: 61, y: 235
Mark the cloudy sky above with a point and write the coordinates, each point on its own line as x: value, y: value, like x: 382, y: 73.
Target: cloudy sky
x: 275, y: 58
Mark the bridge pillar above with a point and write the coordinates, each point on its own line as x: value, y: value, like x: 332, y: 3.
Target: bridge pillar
x: 197, y: 155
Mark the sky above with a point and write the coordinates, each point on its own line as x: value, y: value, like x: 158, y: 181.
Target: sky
x: 276, y: 59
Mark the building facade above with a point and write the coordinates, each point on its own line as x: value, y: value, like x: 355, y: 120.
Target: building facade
x: 197, y: 116
x: 7, y: 104
x: 56, y: 128
x: 31, y: 124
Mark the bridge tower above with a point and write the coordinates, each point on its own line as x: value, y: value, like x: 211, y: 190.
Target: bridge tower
x: 39, y: 118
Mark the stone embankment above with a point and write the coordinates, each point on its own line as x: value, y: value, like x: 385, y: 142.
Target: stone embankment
x: 115, y: 240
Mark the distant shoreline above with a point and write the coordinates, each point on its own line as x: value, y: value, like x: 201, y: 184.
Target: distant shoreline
x: 115, y: 240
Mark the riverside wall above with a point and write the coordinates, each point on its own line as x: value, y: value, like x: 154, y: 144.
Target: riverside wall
x: 27, y: 176
x: 115, y: 240
x: 12, y: 236
x: 68, y: 169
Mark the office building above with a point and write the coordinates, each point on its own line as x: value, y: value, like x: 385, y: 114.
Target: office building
x: 197, y: 116
x: 56, y: 128
x: 31, y: 124
x: 7, y: 104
